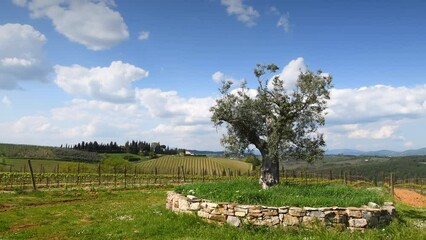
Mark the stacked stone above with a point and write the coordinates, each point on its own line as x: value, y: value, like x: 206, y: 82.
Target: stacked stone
x: 236, y: 215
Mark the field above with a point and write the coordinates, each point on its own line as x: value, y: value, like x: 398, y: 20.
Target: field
x: 141, y: 214
x: 248, y: 191
x: 116, y: 170
x: 195, y: 166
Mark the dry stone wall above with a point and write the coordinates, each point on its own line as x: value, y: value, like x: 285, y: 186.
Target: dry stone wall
x: 236, y: 215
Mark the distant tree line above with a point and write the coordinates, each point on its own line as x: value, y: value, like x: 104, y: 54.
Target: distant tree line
x: 133, y: 147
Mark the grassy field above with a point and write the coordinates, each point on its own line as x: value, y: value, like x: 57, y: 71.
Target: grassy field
x: 248, y: 191
x: 141, y: 214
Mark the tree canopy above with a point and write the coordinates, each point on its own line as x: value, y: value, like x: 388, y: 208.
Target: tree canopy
x: 281, y: 123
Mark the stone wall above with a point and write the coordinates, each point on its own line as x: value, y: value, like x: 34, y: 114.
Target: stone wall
x: 235, y: 214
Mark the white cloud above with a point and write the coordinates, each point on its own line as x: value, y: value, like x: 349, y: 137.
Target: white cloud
x: 6, y: 101
x: 376, y: 117
x: 175, y: 121
x: 111, y: 83
x: 170, y: 105
x: 21, y: 55
x: 290, y: 73
x: 251, y: 93
x: 371, y: 104
x: 143, y: 35
x: 218, y: 77
x: 274, y: 10
x: 382, y: 133
x: 35, y: 124
x: 92, y: 23
x: 244, y: 13
x: 284, y: 22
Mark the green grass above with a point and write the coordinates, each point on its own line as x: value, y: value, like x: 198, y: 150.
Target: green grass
x: 141, y: 214
x: 245, y: 191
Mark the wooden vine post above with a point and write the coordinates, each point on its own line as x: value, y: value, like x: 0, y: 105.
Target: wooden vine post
x: 32, y: 175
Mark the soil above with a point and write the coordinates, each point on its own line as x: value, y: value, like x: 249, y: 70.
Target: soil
x: 410, y: 197
x: 17, y: 228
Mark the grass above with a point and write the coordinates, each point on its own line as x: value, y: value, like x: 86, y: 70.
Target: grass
x: 141, y: 214
x: 246, y: 191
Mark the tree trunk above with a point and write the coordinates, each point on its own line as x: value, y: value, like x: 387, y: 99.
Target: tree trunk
x: 269, y: 173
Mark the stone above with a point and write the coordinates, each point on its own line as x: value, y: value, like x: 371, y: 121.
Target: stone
x: 255, y: 211
x: 218, y: 218
x: 358, y: 223
x: 373, y: 205
x: 255, y: 215
x: 211, y: 205
x: 271, y: 213
x: 240, y: 214
x: 283, y: 210
x: 290, y: 220
x: 195, y: 206
x: 192, y: 198
x: 296, y: 212
x: 238, y: 209
x: 354, y: 212
x: 203, y: 214
x: 388, y: 204
x: 275, y: 220
x: 310, y: 209
x: 183, y: 205
x: 390, y: 209
x: 316, y: 214
x: 233, y: 221
x: 218, y: 211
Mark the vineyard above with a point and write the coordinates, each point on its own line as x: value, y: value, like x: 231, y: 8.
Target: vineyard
x: 116, y: 172
x: 195, y: 166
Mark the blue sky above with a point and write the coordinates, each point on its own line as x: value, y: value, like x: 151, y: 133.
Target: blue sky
x: 109, y: 70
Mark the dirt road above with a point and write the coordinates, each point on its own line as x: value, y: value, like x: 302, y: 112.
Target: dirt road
x: 410, y: 197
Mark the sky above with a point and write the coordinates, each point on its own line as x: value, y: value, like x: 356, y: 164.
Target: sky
x: 105, y: 70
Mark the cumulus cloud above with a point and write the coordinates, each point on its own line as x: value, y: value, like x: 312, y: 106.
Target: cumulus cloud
x: 245, y: 14
x: 382, y: 133
x: 380, y: 102
x: 290, y: 73
x: 21, y: 55
x: 170, y: 105
x: 111, y: 83
x: 92, y: 23
x: 143, y: 35
x: 284, y: 22
x: 376, y: 117
x: 219, y: 77
x: 177, y: 121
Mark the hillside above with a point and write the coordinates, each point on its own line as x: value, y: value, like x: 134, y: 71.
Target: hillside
x: 370, y: 167
x: 194, y: 165
x: 383, y: 153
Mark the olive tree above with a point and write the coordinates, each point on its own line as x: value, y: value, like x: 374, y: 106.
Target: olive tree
x: 281, y: 123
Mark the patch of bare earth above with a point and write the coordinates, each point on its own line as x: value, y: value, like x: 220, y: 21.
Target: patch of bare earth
x: 17, y: 228
x: 409, y: 197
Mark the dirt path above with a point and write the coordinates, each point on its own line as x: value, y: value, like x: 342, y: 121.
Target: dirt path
x: 410, y: 197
